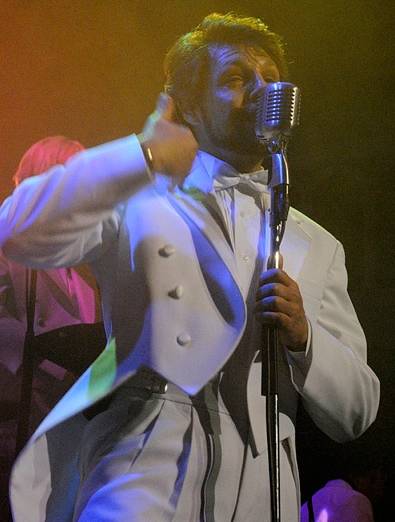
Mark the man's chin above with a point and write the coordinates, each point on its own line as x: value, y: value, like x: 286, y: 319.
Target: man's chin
x: 240, y: 141
x: 247, y: 145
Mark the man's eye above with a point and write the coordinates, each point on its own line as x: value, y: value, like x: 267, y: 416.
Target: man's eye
x: 234, y: 79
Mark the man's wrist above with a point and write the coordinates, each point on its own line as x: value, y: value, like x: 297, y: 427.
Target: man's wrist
x: 302, y: 348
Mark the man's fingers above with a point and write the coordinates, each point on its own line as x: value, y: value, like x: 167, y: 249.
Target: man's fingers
x: 276, y: 304
x: 275, y: 275
x: 277, y: 319
x: 274, y: 289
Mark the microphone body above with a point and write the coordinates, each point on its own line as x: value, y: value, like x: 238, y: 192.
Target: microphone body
x: 278, y: 112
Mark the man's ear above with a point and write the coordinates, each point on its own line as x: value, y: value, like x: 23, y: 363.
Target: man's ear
x: 191, y: 116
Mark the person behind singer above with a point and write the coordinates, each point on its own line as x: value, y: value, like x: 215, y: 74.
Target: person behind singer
x: 354, y: 487
x: 64, y: 297
x: 180, y: 256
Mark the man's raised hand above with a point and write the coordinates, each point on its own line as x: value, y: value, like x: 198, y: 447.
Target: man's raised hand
x: 171, y: 145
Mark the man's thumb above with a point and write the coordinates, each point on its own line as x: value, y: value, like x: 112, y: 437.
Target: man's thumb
x: 165, y: 107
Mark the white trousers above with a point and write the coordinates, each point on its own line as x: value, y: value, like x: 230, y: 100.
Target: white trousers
x: 168, y: 457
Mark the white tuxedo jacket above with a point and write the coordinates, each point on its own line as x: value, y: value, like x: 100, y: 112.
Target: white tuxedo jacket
x: 171, y: 301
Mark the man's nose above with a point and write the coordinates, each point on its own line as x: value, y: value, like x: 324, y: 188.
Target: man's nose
x: 258, y: 85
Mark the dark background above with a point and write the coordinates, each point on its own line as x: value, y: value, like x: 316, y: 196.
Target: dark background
x: 92, y: 70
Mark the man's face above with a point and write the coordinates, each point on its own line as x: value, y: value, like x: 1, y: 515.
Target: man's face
x: 237, y: 77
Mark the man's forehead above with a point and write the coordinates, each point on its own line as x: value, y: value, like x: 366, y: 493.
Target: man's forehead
x: 223, y: 55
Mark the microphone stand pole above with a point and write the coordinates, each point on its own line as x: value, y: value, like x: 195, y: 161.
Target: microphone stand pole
x: 279, y: 206
x: 28, y: 362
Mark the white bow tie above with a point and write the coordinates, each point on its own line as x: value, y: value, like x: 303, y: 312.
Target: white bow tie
x: 257, y: 181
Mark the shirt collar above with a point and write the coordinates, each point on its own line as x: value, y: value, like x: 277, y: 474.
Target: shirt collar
x: 209, y: 174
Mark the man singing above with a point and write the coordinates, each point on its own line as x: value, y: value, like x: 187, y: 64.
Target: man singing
x: 179, y: 253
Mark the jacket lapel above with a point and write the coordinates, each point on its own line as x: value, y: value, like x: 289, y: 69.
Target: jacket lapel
x: 186, y: 204
x: 295, y: 246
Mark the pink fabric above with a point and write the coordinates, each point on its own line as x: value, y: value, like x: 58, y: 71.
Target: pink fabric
x: 63, y: 297
x: 338, y: 502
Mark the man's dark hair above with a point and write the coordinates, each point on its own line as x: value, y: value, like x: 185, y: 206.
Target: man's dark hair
x: 187, y: 62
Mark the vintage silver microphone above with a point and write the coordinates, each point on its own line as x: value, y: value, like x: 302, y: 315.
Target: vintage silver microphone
x: 278, y: 111
x: 277, y: 114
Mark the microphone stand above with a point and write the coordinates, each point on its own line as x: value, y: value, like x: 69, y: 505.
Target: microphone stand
x: 28, y: 362
x: 279, y: 206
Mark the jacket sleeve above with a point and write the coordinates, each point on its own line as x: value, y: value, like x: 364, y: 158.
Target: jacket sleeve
x: 338, y: 389
x: 67, y: 215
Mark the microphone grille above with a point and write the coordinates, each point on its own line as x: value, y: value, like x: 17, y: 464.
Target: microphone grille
x: 278, y: 110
